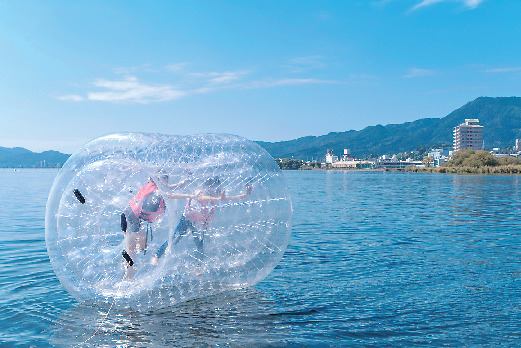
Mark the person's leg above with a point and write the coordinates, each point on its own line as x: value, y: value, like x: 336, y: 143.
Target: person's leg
x: 161, y: 251
x: 130, y: 245
x: 130, y: 225
x: 140, y: 239
x: 199, y: 243
x: 182, y: 228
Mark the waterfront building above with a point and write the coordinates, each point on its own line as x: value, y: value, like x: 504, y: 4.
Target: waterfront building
x: 347, y: 161
x: 354, y: 164
x: 440, y: 161
x: 394, y: 163
x: 330, y: 158
x: 468, y: 135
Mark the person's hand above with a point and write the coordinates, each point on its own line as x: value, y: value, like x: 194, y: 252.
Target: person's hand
x: 249, y: 188
x: 223, y: 195
x: 185, y: 182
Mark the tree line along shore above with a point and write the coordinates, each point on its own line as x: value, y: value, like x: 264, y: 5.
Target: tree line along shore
x: 475, y: 162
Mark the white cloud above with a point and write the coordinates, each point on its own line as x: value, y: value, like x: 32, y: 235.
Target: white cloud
x: 221, y: 77
x: 471, y: 4
x: 176, y: 67
x: 71, y: 97
x: 124, y: 70
x: 132, y: 91
x: 503, y: 70
x: 416, y: 72
x: 133, y: 70
x: 425, y: 3
x: 226, y: 77
x: 286, y: 82
x: 303, y: 64
x: 210, y: 77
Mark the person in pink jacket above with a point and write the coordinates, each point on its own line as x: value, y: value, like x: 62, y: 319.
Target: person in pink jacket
x: 148, y: 205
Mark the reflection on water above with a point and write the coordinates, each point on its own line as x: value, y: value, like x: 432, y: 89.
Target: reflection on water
x: 234, y: 317
x: 484, y: 199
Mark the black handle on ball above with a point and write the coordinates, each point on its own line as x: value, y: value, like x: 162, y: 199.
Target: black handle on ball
x: 127, y: 258
x: 79, y: 196
x: 123, y: 222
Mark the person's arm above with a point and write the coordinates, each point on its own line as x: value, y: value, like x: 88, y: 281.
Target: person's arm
x: 223, y: 196
x: 172, y: 195
x: 180, y: 184
x: 200, y: 197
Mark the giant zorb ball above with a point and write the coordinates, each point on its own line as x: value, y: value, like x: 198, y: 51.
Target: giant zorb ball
x: 241, y: 242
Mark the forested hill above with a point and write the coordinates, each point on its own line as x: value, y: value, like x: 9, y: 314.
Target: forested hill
x: 19, y: 157
x: 500, y: 117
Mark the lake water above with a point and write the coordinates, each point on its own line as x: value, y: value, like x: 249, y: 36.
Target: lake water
x: 376, y: 259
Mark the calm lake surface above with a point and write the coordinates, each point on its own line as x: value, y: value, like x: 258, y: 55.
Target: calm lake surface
x: 376, y: 259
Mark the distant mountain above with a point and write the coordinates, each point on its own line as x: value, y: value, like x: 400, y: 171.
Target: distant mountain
x: 500, y: 117
x: 17, y: 157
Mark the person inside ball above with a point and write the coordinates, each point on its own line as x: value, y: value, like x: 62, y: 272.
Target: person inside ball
x: 148, y: 206
x: 198, y: 213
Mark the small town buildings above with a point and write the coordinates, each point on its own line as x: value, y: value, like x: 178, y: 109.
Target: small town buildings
x: 347, y: 161
x: 385, y: 162
x: 439, y: 156
x: 468, y: 135
x: 347, y: 155
x: 434, y: 153
x: 498, y: 153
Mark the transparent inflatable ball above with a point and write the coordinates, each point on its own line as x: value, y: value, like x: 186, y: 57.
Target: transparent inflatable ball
x: 152, y: 220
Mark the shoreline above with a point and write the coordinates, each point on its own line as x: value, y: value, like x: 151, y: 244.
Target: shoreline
x: 339, y: 169
x: 24, y: 168
x: 488, y: 170
x: 501, y: 170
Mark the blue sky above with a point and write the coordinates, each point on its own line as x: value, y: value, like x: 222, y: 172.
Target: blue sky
x: 72, y: 71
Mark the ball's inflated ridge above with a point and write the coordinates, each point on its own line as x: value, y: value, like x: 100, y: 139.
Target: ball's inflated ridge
x: 243, y: 242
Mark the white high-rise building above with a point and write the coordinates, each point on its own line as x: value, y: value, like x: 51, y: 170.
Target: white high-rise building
x: 468, y: 135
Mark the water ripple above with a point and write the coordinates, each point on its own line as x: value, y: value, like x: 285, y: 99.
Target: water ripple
x: 375, y: 260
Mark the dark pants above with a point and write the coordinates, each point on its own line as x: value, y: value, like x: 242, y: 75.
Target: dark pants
x: 130, y: 222
x: 182, y: 230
